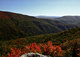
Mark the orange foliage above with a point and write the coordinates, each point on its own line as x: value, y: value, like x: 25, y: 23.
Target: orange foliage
x: 50, y: 49
x: 33, y: 48
x: 79, y: 52
x: 46, y: 48
x: 15, y: 52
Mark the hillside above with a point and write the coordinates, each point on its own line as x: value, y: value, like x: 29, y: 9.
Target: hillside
x: 69, y: 19
x: 68, y: 41
x: 56, y: 38
x: 14, y: 25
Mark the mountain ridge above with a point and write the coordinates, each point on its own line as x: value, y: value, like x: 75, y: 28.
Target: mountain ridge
x: 75, y: 20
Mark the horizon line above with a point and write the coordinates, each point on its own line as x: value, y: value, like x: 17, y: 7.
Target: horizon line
x: 38, y: 14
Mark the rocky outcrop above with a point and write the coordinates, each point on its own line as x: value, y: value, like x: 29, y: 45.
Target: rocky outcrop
x: 33, y: 55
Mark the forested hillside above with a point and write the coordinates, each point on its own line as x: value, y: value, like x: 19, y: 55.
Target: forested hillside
x: 63, y: 44
x: 56, y: 38
x: 69, y: 20
x: 13, y: 25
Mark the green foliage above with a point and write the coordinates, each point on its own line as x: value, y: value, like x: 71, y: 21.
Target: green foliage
x: 56, y: 38
x: 75, y: 20
x: 68, y: 40
x: 14, y: 26
x: 17, y: 30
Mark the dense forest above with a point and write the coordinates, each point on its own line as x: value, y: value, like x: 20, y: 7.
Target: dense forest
x: 20, y: 34
x: 13, y: 25
x: 67, y: 41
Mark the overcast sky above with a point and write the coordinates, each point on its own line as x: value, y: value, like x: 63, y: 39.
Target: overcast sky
x: 42, y: 7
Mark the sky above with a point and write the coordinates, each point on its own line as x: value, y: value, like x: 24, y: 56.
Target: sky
x: 42, y: 7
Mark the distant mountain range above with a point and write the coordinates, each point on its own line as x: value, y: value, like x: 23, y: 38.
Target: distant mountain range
x: 14, y: 25
x: 47, y: 17
x: 75, y: 20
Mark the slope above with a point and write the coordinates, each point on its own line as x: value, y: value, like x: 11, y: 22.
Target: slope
x: 14, y: 25
x: 68, y: 40
x: 69, y: 19
x: 56, y: 38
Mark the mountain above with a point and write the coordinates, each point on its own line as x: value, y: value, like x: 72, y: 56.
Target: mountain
x: 47, y: 17
x: 14, y: 25
x: 70, y: 20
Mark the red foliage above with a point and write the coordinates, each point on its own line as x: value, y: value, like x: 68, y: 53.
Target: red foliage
x: 2, y: 15
x: 50, y: 49
x: 15, y: 52
x: 46, y: 48
x: 79, y: 52
x: 3, y: 56
x: 33, y: 48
